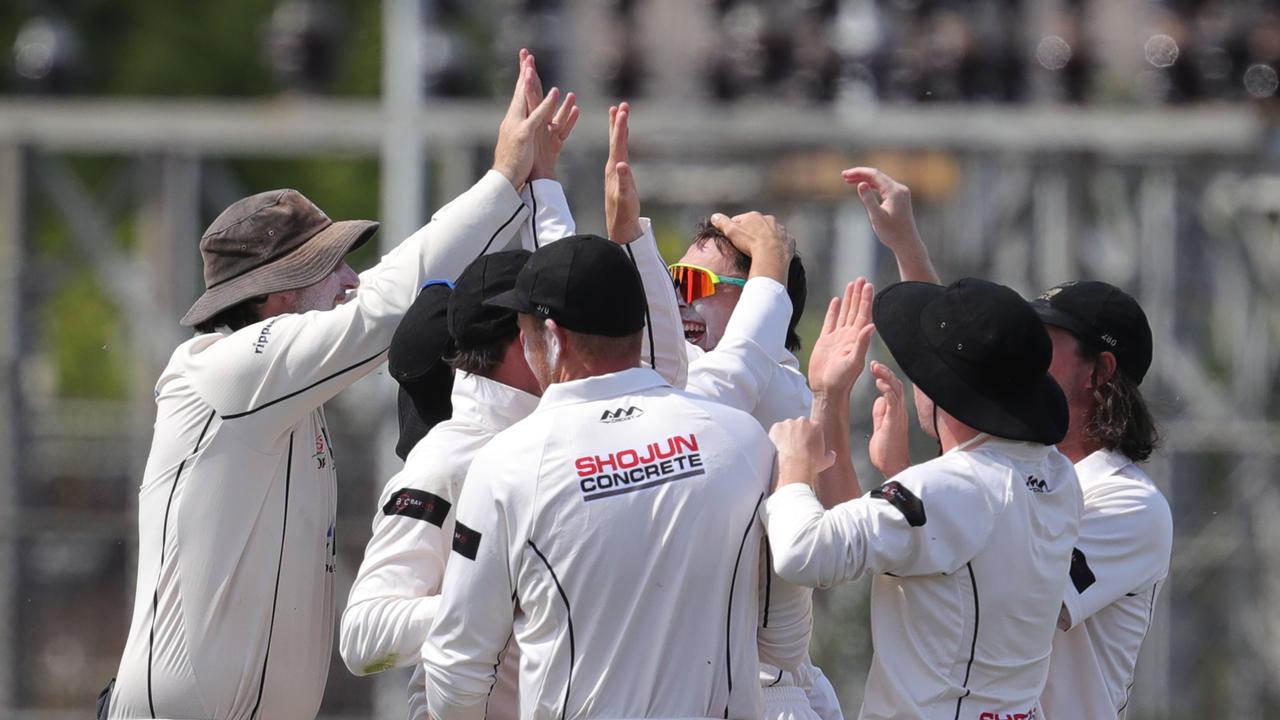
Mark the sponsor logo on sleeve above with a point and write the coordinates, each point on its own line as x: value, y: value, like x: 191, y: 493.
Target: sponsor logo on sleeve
x: 911, y: 507
x: 642, y: 468
x: 418, y: 504
x: 465, y: 541
x: 264, y: 336
x: 1028, y: 715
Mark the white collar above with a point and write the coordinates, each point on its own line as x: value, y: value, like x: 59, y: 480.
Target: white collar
x: 1101, y: 463
x: 600, y: 387
x: 486, y: 402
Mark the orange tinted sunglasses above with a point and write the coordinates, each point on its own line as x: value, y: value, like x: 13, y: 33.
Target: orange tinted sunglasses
x: 695, y: 283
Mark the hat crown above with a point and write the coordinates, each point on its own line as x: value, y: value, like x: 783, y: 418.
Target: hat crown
x: 256, y: 230
x: 473, y: 323
x: 988, y: 332
x: 1104, y: 317
x: 586, y: 284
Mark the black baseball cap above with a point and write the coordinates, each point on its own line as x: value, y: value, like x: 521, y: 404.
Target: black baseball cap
x: 1104, y: 317
x: 583, y: 282
x: 471, y: 321
x: 979, y: 352
x: 416, y: 361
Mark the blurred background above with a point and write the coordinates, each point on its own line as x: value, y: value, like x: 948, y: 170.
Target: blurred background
x: 1133, y: 141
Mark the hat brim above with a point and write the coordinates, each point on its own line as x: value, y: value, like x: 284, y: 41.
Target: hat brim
x: 511, y: 300
x: 1034, y: 414
x: 1050, y: 315
x: 310, y: 263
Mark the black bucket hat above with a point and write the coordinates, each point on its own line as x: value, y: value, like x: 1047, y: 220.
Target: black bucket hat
x: 980, y: 352
x: 270, y: 242
x: 416, y: 361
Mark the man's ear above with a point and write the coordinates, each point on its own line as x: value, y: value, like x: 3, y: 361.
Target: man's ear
x: 1104, y: 369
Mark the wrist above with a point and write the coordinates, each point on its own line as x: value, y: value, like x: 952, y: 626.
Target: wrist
x: 541, y: 174
x: 510, y: 174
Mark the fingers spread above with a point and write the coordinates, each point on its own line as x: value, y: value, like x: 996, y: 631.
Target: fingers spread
x: 833, y: 314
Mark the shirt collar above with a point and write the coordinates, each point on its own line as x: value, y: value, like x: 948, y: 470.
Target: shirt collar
x: 486, y: 402
x: 1101, y: 463
x: 600, y: 387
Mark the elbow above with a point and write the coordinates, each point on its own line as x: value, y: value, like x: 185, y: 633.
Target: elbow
x: 356, y: 649
x: 795, y: 565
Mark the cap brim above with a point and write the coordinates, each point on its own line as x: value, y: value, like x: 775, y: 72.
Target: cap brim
x: 1037, y: 414
x: 310, y: 263
x: 1051, y: 315
x: 511, y: 300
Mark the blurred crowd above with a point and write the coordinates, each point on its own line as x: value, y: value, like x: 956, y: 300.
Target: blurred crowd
x: 819, y: 51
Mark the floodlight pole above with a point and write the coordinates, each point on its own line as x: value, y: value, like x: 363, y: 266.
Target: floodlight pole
x: 402, y: 195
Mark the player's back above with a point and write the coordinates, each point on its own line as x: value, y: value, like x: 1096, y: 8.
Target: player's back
x: 975, y: 639
x: 634, y: 540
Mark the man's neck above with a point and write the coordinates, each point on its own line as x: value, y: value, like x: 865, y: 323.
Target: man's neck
x: 1078, y: 447
x: 570, y: 371
x: 952, y: 433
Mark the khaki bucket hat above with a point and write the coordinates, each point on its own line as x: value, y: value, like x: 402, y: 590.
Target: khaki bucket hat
x: 270, y: 242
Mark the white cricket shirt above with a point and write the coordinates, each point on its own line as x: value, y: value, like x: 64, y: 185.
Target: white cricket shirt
x: 616, y: 533
x: 970, y: 553
x: 396, y: 590
x: 234, y: 609
x: 1121, y: 560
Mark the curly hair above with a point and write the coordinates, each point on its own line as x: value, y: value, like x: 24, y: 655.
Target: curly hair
x: 1121, y: 419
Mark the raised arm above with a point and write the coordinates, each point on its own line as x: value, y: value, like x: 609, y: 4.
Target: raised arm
x: 276, y: 371
x: 888, y: 204
x: 550, y: 218
x: 834, y: 366
x: 663, y: 346
x: 745, y: 360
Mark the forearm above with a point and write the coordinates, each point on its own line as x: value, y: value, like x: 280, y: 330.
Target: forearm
x: 663, y: 342
x: 914, y: 263
x: 806, y: 544
x: 381, y: 633
x: 840, y: 481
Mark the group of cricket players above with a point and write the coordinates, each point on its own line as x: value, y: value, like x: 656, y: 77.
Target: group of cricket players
x: 620, y: 487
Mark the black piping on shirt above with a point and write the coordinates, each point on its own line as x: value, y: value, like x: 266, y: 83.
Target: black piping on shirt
x: 564, y: 708
x: 164, y: 533
x: 288, y: 472
x: 973, y: 582
x: 648, y: 321
x: 728, y: 618
x: 325, y: 379
x: 503, y: 226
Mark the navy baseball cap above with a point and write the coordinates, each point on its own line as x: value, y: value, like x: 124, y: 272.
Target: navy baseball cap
x: 583, y: 282
x: 471, y: 321
x: 416, y: 361
x: 1104, y: 317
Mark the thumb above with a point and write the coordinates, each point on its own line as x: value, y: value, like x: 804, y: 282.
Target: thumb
x: 877, y: 412
x: 724, y: 223
x: 828, y: 459
x: 542, y: 114
x: 867, y: 195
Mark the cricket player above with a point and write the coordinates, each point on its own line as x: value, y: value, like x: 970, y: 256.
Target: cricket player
x: 1101, y: 352
x: 234, y: 607
x: 1102, y: 349
x: 594, y: 530
x: 968, y: 551
x: 396, y: 590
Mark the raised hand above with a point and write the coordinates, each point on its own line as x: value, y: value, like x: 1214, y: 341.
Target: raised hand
x: 802, y: 452
x: 763, y: 239
x: 841, y: 349
x: 621, y: 199
x: 888, y: 204
x: 888, y: 448
x: 517, y: 134
x: 550, y: 139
